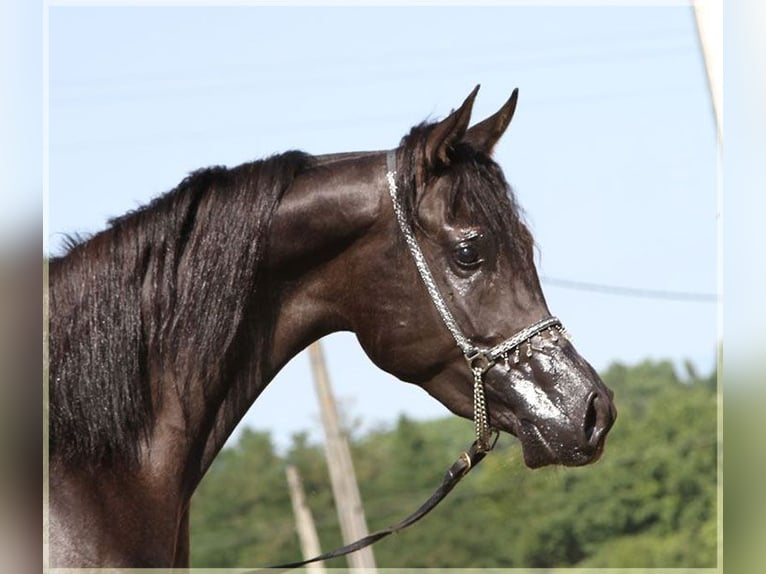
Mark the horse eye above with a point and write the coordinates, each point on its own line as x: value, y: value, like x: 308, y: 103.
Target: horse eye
x: 467, y: 255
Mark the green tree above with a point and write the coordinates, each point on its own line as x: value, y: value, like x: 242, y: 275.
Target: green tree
x: 243, y: 508
x: 650, y: 501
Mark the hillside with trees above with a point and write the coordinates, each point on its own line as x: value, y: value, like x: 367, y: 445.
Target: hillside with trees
x: 650, y: 502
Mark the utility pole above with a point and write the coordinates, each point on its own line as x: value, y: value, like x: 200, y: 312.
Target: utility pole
x: 708, y: 14
x: 304, y: 521
x: 344, y: 487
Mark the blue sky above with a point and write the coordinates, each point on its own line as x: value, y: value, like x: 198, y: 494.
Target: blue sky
x: 611, y: 153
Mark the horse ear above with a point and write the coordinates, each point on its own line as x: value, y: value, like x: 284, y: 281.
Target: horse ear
x: 485, y: 134
x: 448, y: 132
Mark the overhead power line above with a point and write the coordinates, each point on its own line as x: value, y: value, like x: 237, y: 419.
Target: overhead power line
x: 630, y: 291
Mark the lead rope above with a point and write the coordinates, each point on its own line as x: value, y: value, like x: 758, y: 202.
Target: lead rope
x: 461, y: 467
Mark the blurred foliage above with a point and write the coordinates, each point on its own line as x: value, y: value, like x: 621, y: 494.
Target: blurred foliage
x: 650, y: 501
x: 744, y: 514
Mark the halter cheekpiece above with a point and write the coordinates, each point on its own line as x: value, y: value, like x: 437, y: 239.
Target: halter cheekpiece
x: 480, y: 359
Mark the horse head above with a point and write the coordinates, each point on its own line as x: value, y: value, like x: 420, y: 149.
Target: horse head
x: 478, y: 252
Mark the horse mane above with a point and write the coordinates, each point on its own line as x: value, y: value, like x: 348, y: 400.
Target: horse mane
x: 478, y: 184
x: 168, y: 289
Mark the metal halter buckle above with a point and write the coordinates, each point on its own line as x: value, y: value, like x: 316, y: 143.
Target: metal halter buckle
x: 479, y: 360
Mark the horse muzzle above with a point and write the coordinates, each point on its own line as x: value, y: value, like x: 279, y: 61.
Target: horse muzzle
x: 553, y: 401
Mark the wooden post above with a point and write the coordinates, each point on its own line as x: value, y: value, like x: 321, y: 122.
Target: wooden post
x: 348, y: 502
x: 304, y: 521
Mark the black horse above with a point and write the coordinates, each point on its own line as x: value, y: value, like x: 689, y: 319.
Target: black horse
x: 165, y: 327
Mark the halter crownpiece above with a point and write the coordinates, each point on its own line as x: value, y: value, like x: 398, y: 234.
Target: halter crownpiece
x: 480, y: 359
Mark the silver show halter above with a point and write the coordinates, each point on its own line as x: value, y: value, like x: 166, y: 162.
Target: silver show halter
x: 480, y: 359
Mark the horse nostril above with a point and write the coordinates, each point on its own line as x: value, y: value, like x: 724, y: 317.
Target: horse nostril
x: 591, y: 419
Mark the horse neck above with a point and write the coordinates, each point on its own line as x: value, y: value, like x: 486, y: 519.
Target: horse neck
x: 192, y: 376
x: 181, y: 400
x: 326, y: 212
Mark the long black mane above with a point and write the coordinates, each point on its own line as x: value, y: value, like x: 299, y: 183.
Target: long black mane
x: 165, y: 290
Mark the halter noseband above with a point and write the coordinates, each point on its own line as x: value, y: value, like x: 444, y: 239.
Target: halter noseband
x: 480, y: 359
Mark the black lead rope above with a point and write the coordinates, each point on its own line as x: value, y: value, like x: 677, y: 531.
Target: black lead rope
x: 462, y: 466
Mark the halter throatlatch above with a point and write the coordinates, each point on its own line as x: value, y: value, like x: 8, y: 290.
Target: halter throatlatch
x: 480, y: 359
